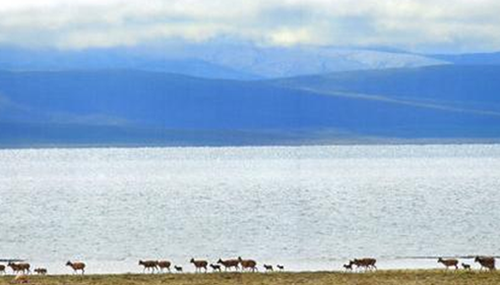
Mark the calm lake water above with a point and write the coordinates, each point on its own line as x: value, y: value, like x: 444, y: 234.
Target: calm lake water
x: 309, y: 208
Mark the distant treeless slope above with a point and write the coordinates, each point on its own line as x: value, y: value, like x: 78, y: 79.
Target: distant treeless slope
x: 492, y: 58
x: 240, y: 61
x: 123, y: 106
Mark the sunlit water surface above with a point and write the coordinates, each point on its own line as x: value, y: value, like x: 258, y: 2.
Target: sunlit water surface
x: 310, y: 208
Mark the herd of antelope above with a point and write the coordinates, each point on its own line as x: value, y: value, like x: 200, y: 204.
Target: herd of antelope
x: 158, y: 266
x: 200, y: 265
x: 240, y: 265
x: 23, y: 268
x: 486, y: 263
x: 363, y: 263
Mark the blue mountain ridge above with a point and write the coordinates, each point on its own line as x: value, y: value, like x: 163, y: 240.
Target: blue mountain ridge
x: 240, y: 61
x: 131, y: 107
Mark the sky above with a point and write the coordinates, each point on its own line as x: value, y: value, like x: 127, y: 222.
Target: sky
x: 416, y: 25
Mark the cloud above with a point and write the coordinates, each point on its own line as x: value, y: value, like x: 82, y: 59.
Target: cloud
x: 459, y: 25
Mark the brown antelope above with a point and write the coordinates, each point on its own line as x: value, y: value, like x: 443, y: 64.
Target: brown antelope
x: 348, y: 266
x: 178, y: 268
x: 367, y: 263
x: 199, y: 264
x: 40, y: 271
x: 486, y: 262
x: 19, y: 267
x: 215, y: 267
x: 229, y: 263
x: 268, y: 267
x: 280, y: 267
x: 449, y: 262
x: 2, y: 269
x: 150, y: 265
x: 466, y: 266
x: 162, y: 264
x: 76, y: 266
x: 248, y: 264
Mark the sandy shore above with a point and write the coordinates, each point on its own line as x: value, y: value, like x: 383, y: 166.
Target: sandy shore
x: 399, y: 277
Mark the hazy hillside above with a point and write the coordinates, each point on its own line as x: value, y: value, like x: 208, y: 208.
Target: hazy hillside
x: 467, y: 87
x: 125, y: 107
x: 471, y: 58
x: 275, y: 62
x: 17, y: 59
x: 241, y: 61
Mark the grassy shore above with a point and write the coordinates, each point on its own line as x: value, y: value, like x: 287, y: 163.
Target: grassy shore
x: 389, y: 277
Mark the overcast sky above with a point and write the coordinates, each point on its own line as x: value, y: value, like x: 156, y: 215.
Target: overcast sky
x: 418, y: 25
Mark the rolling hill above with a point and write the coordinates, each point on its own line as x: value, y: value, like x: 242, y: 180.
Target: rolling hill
x: 492, y: 58
x: 127, y: 107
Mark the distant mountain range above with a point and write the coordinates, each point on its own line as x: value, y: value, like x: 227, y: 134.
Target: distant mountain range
x: 215, y: 60
x: 16, y: 59
x: 137, y: 107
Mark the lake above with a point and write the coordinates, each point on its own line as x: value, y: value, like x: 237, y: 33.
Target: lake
x: 309, y: 208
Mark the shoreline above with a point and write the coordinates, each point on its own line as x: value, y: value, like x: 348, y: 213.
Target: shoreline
x: 260, y: 272
x: 380, y: 277
x: 374, y: 142
x: 130, y: 266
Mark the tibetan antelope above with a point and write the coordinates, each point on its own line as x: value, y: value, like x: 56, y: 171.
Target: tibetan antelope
x: 229, y: 263
x: 150, y: 265
x: 76, y: 266
x: 19, y: 267
x: 268, y: 267
x: 215, y: 267
x: 452, y: 262
x: 348, y: 266
x: 178, y: 268
x: 248, y: 264
x: 162, y: 264
x: 280, y: 267
x: 199, y: 264
x: 367, y: 263
x: 40, y: 271
x: 466, y: 266
x: 486, y: 262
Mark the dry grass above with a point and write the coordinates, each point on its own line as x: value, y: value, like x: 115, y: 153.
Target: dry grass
x: 389, y: 277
